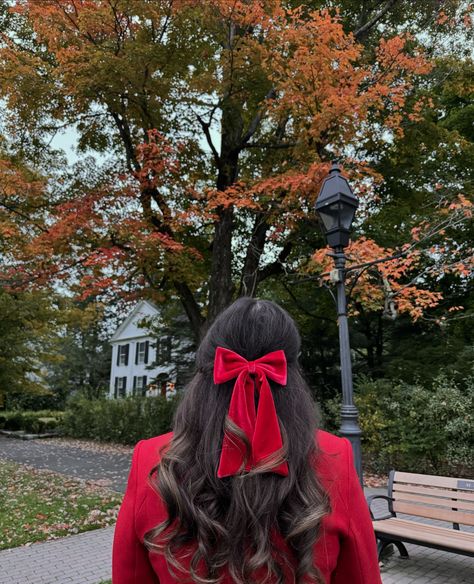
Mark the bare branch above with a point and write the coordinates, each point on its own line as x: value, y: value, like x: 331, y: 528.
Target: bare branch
x: 254, y: 124
x: 205, y: 126
x: 373, y: 21
x: 269, y: 145
x: 277, y: 267
x: 125, y: 134
x: 249, y: 278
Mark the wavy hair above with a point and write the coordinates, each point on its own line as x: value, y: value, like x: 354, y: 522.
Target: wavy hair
x: 232, y: 519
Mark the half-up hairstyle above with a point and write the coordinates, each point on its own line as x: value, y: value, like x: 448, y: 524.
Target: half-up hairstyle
x: 232, y: 519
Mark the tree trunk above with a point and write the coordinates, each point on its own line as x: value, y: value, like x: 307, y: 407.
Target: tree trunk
x: 379, y: 341
x: 221, y: 287
x: 249, y: 280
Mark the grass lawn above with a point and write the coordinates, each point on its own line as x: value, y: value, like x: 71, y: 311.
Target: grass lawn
x: 36, y: 505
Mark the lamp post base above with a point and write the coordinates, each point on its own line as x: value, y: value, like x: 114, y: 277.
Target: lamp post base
x: 350, y: 429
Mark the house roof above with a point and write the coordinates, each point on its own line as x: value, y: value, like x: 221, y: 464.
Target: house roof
x: 140, y: 307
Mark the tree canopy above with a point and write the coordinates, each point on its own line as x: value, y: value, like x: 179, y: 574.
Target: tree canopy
x: 217, y: 122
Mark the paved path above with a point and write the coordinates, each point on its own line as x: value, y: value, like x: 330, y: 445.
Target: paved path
x: 427, y: 566
x: 78, y: 559
x: 110, y: 468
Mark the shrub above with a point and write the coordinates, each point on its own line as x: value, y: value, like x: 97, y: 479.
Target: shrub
x: 32, y: 422
x: 119, y: 420
x: 34, y: 401
x: 414, y: 428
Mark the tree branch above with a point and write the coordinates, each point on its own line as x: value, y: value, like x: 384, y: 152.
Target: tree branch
x: 269, y: 145
x: 191, y: 307
x: 205, y: 126
x: 125, y: 134
x: 373, y: 21
x: 277, y: 266
x: 248, y: 282
x: 25, y: 216
x: 257, y: 119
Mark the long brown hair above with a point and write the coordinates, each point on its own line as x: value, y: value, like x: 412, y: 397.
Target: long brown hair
x: 231, y: 519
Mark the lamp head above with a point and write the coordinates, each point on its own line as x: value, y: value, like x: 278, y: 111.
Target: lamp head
x: 336, y: 206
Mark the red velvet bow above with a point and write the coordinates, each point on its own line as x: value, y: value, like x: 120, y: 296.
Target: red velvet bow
x: 261, y: 427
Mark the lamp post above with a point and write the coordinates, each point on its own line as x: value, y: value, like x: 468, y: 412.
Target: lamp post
x: 336, y: 206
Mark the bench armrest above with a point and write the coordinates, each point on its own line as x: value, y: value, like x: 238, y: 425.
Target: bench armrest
x: 386, y: 498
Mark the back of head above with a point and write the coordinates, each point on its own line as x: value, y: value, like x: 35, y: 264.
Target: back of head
x: 233, y: 518
x: 251, y: 328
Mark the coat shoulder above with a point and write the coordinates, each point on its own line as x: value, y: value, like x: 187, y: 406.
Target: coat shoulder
x: 151, y: 446
x: 333, y: 457
x: 330, y: 443
x: 147, y: 454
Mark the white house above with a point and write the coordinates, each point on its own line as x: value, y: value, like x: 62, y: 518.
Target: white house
x: 134, y: 350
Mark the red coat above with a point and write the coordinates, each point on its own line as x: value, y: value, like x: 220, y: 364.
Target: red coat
x: 345, y: 552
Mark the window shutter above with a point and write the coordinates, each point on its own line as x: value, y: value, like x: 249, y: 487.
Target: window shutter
x: 134, y: 384
x: 127, y: 347
x: 157, y: 358
x: 118, y: 354
x: 116, y: 387
x: 144, y: 385
x: 137, y: 348
x: 124, y: 386
x: 146, y: 351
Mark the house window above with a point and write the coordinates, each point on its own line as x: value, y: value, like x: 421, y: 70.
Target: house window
x: 120, y: 387
x: 141, y: 352
x: 163, y: 350
x: 139, y: 385
x: 122, y: 354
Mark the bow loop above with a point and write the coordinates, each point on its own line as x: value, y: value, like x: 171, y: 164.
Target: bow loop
x: 261, y: 428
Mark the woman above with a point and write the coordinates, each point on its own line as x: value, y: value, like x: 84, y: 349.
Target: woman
x: 246, y: 488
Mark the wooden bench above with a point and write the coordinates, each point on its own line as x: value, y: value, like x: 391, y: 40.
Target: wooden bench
x: 443, y: 499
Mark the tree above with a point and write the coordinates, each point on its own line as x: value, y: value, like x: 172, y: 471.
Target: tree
x: 83, y: 352
x: 223, y: 116
x: 28, y: 329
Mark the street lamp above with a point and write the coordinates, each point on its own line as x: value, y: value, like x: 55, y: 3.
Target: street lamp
x: 336, y: 206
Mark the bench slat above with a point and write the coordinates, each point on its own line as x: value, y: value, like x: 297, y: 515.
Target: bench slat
x: 428, y: 480
x: 464, y: 495
x: 426, y: 533
x: 415, y: 526
x: 458, y: 505
x: 440, y: 536
x: 464, y: 518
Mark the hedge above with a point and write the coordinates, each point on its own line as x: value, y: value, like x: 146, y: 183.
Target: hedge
x: 33, y: 422
x: 414, y: 428
x: 125, y: 421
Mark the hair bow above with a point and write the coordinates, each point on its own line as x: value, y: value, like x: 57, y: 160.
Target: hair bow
x: 261, y: 427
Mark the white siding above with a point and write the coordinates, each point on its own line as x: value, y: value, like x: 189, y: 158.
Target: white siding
x: 128, y: 333
x: 131, y: 369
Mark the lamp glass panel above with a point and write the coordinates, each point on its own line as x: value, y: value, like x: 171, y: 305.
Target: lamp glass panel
x: 346, y: 216
x: 328, y: 220
x: 330, y: 216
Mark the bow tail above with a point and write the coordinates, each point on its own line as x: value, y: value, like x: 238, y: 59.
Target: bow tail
x: 267, y: 438
x: 242, y: 413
